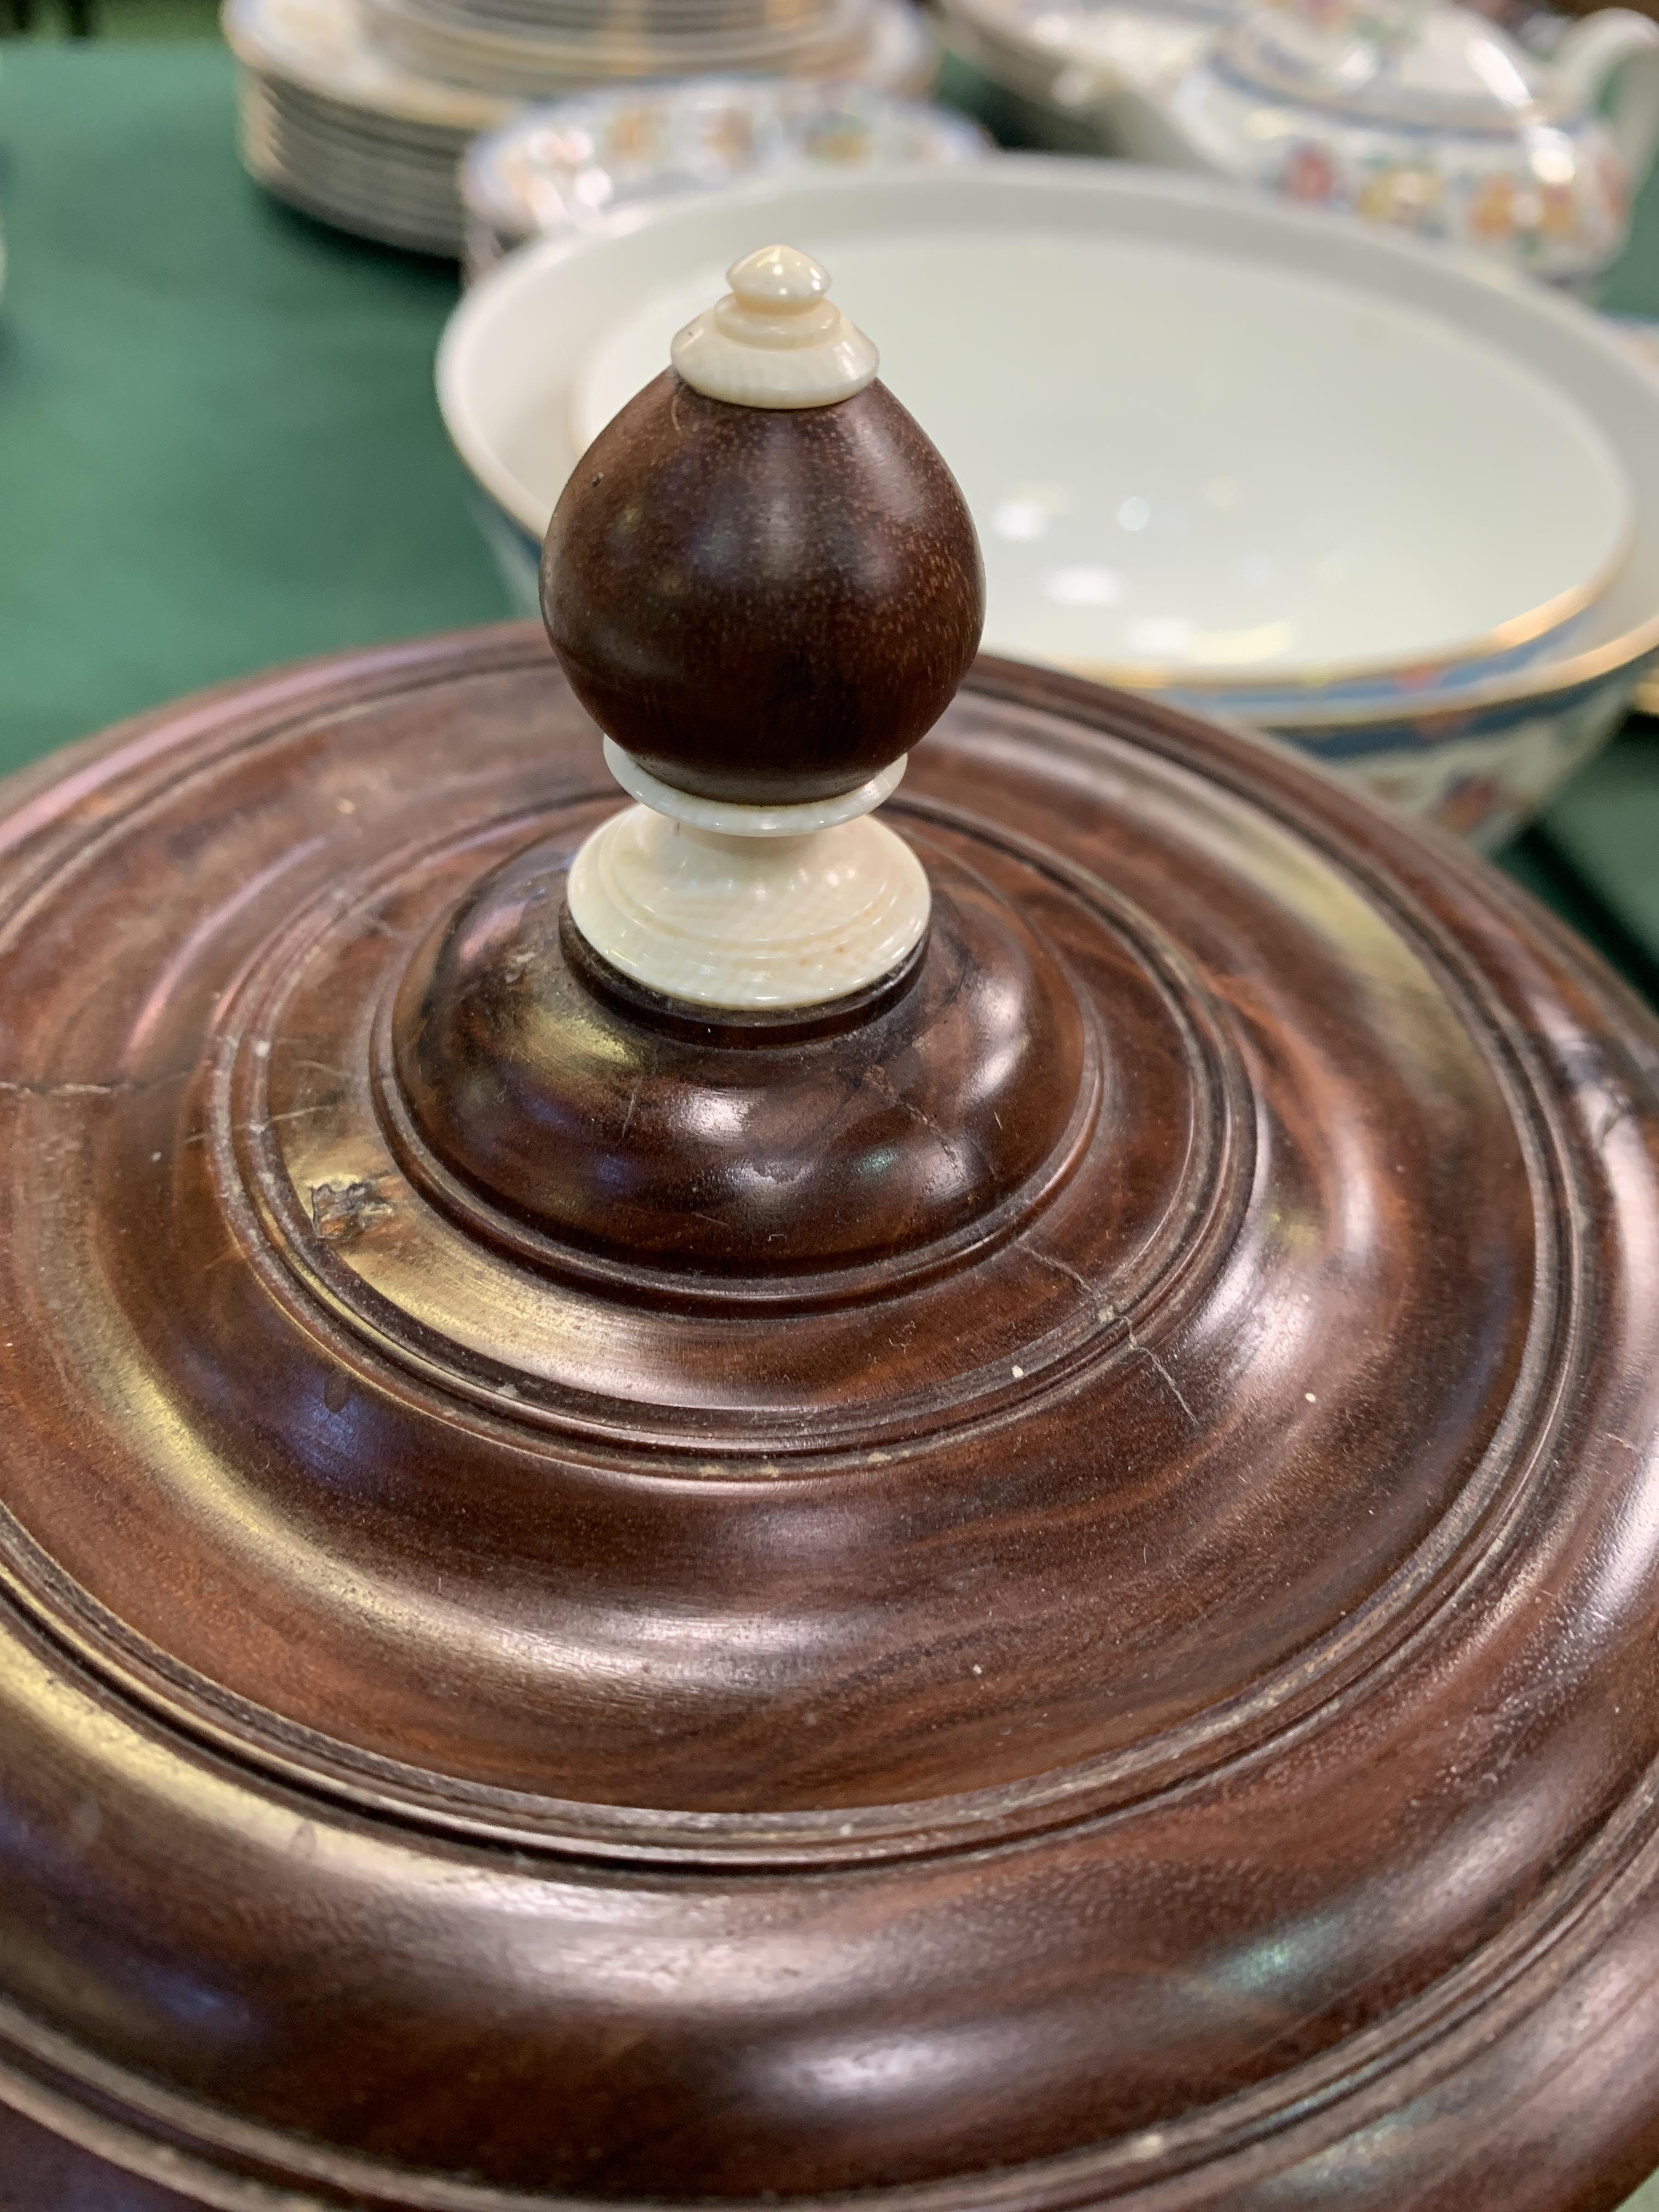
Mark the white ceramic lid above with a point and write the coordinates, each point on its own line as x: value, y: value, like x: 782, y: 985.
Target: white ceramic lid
x: 1185, y: 469
x: 1434, y: 67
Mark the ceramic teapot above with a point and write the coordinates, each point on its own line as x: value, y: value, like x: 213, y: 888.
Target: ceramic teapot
x: 715, y: 1503
x: 1427, y: 117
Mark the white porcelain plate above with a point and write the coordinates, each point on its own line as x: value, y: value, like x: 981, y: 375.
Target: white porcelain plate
x: 1190, y: 468
x: 324, y: 46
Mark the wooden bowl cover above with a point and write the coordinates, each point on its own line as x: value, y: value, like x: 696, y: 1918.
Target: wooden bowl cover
x: 1050, y: 1602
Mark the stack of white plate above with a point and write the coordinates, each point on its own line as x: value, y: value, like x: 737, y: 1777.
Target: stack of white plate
x: 1267, y: 463
x: 565, y: 167
x: 334, y: 127
x: 542, y: 47
x: 359, y: 111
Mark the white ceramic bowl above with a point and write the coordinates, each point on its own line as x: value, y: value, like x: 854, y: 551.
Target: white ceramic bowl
x: 523, y: 369
x: 1172, y: 490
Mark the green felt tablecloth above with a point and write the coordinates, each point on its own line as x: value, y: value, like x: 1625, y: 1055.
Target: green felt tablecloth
x: 219, y: 447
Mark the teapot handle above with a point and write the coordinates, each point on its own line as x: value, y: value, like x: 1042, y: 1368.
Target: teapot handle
x: 1617, y: 41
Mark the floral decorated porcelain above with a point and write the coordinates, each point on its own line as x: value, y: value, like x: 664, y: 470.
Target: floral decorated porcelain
x: 337, y: 123
x: 566, y: 166
x: 1427, y: 118
x: 1482, y: 775
x: 1069, y: 59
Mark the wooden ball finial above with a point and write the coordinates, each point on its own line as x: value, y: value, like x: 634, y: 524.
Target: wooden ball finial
x: 762, y: 579
x: 764, y: 584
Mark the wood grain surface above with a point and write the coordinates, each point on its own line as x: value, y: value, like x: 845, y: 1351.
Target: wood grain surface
x: 763, y: 604
x: 1113, y: 1663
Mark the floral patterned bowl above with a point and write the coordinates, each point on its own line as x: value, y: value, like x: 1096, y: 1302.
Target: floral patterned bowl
x: 565, y: 165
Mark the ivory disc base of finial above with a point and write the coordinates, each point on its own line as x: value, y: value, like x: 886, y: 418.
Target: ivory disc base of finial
x: 745, y: 922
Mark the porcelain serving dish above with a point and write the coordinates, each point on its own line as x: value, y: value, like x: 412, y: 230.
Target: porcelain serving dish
x: 1382, y: 505
x: 359, y: 134
x: 541, y: 54
x: 1481, y: 752
x: 1430, y: 118
x: 560, y: 168
x: 1425, y: 117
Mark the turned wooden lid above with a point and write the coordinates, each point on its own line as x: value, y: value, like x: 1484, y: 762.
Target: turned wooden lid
x: 1038, y: 1590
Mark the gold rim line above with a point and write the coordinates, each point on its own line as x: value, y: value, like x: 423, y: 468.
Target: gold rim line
x: 1631, y: 646
x: 1509, y: 636
x: 1639, y: 642
x: 1548, y: 679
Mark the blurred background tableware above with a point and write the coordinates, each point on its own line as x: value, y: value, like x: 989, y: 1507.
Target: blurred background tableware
x: 1426, y: 117
x: 256, y: 470
x: 1071, y: 75
x: 1641, y: 332
x: 359, y: 111
x: 539, y: 49
x: 1053, y: 428
x: 1378, y: 508
x: 564, y: 166
x: 331, y: 124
